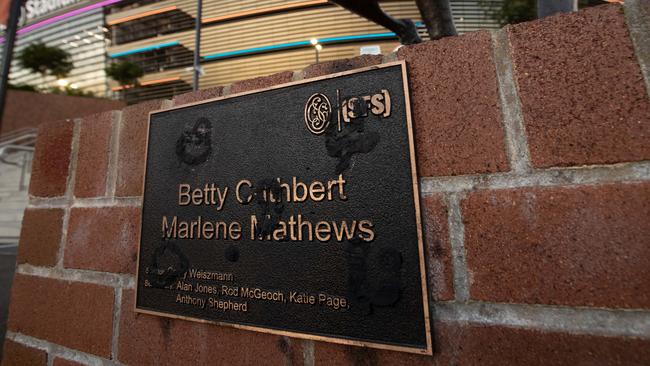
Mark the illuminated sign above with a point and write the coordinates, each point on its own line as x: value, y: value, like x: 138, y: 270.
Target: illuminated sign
x: 38, y: 8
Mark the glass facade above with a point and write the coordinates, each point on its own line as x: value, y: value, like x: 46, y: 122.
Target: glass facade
x: 82, y: 36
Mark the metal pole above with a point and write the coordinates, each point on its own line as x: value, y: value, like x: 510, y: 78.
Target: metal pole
x: 21, y: 185
x: 197, y: 45
x: 7, y: 52
x: 316, y: 54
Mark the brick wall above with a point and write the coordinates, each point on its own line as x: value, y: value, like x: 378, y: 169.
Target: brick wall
x: 533, y: 147
x: 30, y: 109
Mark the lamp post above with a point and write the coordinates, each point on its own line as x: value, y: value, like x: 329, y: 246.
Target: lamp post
x: 317, y: 47
x: 7, y: 51
x: 197, y: 46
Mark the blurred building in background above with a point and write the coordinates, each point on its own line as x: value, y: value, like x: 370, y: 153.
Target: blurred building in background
x: 239, y: 40
x: 72, y: 25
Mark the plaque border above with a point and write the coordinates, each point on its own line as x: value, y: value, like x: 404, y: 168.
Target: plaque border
x: 418, y: 221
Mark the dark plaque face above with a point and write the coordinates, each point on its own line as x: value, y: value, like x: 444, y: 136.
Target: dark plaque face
x: 291, y: 210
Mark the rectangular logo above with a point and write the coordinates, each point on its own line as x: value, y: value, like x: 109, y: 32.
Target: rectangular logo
x: 291, y: 210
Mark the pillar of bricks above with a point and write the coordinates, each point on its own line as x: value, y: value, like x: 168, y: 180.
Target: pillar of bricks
x: 533, y: 148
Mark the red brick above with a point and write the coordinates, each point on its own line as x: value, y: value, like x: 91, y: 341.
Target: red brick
x: 151, y: 340
x: 40, y: 236
x: 197, y: 96
x: 131, y: 155
x: 340, y: 355
x: 92, y: 158
x: 293, y: 350
x: 439, y: 263
x: 30, y: 109
x: 336, y: 354
x: 72, y: 314
x: 578, y: 246
x: 582, y: 93
x: 494, y: 345
x: 16, y: 354
x: 64, y: 362
x: 331, y: 67
x: 103, y: 239
x: 456, y: 109
x: 296, y: 351
x: 261, y: 82
x: 51, y: 159
x: 467, y: 344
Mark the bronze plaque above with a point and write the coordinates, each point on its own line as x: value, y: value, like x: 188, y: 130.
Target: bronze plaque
x: 291, y: 210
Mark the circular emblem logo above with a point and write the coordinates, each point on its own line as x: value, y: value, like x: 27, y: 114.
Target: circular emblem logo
x: 318, y: 112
